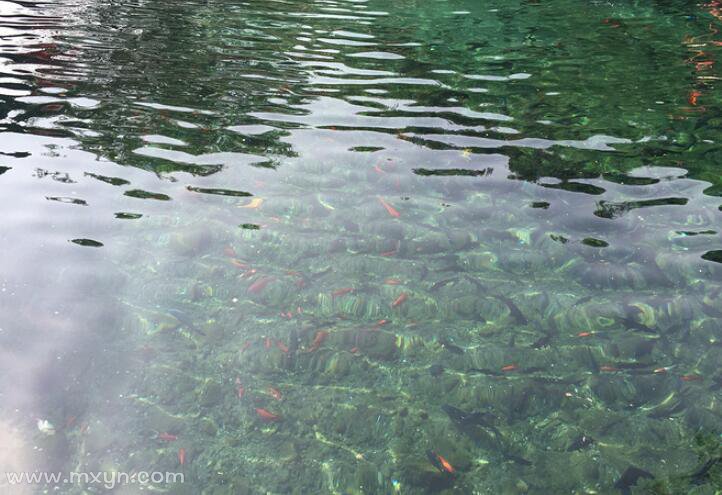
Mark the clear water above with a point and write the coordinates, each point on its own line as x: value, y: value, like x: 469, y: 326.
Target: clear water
x: 346, y: 247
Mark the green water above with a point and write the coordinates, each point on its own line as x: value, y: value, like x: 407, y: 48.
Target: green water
x: 362, y: 247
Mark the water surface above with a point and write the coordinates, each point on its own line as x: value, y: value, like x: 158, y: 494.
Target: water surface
x: 356, y: 246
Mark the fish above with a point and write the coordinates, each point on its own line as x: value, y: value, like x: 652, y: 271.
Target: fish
x: 479, y: 427
x: 450, y: 346
x: 282, y: 346
x: 267, y: 416
x: 167, y: 437
x: 439, y: 462
x: 630, y: 477
x: 635, y: 325
x: 182, y: 456
x: 514, y: 310
x: 698, y: 477
x: 341, y: 292
x: 579, y: 443
x: 259, y: 285
x: 509, y: 367
x: 184, y: 319
x: 275, y: 393
x: 692, y: 99
x: 392, y: 281
x: 318, y: 340
x: 441, y: 283
x: 240, y: 389
x: 400, y: 300
x: 390, y: 209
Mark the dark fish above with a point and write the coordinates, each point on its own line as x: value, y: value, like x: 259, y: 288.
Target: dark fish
x: 441, y: 283
x: 513, y: 310
x: 581, y: 301
x: 579, y: 443
x: 290, y: 356
x: 710, y: 310
x: 185, y: 320
x: 450, y: 346
x: 630, y: 477
x: 699, y: 476
x: 542, y: 342
x: 436, y: 370
x: 635, y: 325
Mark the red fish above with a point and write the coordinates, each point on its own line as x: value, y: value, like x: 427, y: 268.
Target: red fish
x: 229, y: 251
x: 282, y: 346
x: 392, y: 281
x: 381, y: 323
x: 259, y: 285
x: 266, y: 415
x: 240, y: 389
x: 318, y: 340
x: 167, y: 437
x: 182, y: 456
x: 245, y: 345
x: 509, y: 367
x: 390, y: 209
x: 400, y: 300
x: 267, y: 343
x: 239, y: 264
x: 584, y: 334
x: 608, y: 368
x: 691, y: 378
x: 341, y: 292
x: 446, y: 465
x: 692, y: 99
x: 275, y: 393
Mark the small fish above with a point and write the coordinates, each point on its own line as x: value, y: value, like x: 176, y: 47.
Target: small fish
x: 381, y: 323
x: 630, y: 477
x: 400, y: 300
x: 266, y: 415
x: 692, y: 98
x: 608, y: 368
x: 229, y: 251
x: 239, y: 264
x: 259, y: 285
x: 282, y: 346
x: 342, y: 292
x: 582, y: 441
x: 439, y: 462
x: 182, y: 456
x: 318, y: 340
x: 184, y: 319
x: 441, y: 283
x: 254, y: 203
x: 240, y: 389
x: 691, y: 378
x: 450, y: 346
x: 392, y: 281
x: 584, y: 334
x: 390, y: 209
x: 509, y: 367
x: 167, y: 437
x: 514, y: 310
x: 245, y: 345
x: 267, y: 343
x: 275, y: 393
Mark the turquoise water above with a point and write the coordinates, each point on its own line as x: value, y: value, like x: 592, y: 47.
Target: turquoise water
x: 361, y: 247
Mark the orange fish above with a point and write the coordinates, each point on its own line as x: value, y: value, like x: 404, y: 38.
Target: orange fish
x: 266, y: 415
x: 445, y: 464
x: 381, y: 323
x: 400, y: 300
x: 509, y: 367
x: 608, y: 368
x: 390, y: 209
x: 167, y: 437
x: 259, y: 285
x: 584, y: 334
x: 692, y: 99
x: 182, y: 456
x: 282, y: 346
x: 691, y: 378
x: 318, y: 340
x: 254, y: 203
x: 388, y: 253
x: 354, y: 350
x: 392, y: 281
x: 341, y: 292
x: 238, y: 264
x: 275, y: 393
